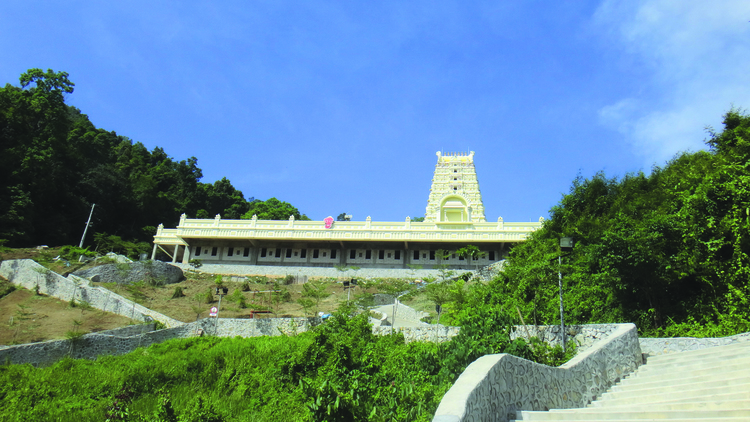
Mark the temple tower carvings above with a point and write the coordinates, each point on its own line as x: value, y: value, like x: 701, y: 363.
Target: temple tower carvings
x: 454, y: 195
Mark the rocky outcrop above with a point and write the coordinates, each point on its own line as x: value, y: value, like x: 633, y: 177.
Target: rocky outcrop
x: 150, y: 272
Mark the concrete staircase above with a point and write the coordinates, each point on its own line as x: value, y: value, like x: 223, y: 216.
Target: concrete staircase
x: 704, y: 385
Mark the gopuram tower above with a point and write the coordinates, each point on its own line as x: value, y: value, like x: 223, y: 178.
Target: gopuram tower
x: 454, y: 195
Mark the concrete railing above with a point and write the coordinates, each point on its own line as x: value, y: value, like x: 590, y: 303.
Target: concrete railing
x: 494, y: 387
x: 31, y: 275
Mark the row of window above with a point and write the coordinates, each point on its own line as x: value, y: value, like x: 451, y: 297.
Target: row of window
x: 230, y: 252
x: 316, y: 254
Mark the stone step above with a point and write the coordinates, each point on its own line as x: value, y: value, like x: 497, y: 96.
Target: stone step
x: 683, y: 367
x: 697, y: 404
x: 608, y: 399
x: 693, y: 360
x: 639, y: 377
x: 729, y: 380
x: 743, y: 395
x: 618, y: 415
x: 708, y: 351
x: 704, y: 385
x: 686, y: 378
x: 717, y: 419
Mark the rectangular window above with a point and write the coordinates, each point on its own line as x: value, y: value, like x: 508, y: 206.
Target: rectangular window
x: 197, y: 251
x: 214, y: 251
x: 416, y: 255
x: 315, y: 253
x: 368, y: 254
x: 397, y: 255
x: 303, y: 253
x: 352, y: 254
x: 492, y: 255
x: 324, y: 254
x: 424, y: 255
x: 460, y: 258
x: 246, y: 253
x: 381, y: 254
x: 288, y: 253
x: 263, y: 252
x: 278, y: 253
x: 333, y: 254
x: 432, y: 255
x: 230, y: 252
x: 389, y: 255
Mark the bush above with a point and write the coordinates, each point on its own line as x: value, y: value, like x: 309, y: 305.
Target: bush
x: 72, y: 253
x: 178, y: 293
x: 208, y: 297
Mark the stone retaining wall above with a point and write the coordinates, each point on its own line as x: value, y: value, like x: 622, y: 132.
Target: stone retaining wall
x: 439, y: 334
x: 494, y: 387
x: 127, y: 339
x: 30, y: 275
x: 583, y: 336
x: 663, y: 346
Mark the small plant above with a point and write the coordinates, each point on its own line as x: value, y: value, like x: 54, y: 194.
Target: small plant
x: 198, y: 311
x: 195, y: 263
x: 84, y: 306
x: 73, y: 253
x: 245, y: 286
x: 208, y: 297
x: 74, y: 336
x: 178, y: 293
x: 238, y: 297
x: 219, y: 280
x: 288, y: 279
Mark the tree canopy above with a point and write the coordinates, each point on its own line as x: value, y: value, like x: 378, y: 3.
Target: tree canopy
x: 54, y: 163
x: 667, y: 249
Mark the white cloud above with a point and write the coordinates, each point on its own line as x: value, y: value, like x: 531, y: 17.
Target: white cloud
x: 696, y: 54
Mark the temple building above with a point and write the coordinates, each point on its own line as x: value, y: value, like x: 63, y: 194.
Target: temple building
x: 454, y: 218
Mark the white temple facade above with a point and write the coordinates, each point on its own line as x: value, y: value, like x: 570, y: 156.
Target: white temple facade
x: 454, y: 218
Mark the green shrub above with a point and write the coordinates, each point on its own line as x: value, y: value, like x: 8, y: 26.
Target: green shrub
x: 72, y: 253
x: 195, y: 263
x: 177, y: 293
x: 208, y: 297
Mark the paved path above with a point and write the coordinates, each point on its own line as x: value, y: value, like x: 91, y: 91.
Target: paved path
x: 400, y: 322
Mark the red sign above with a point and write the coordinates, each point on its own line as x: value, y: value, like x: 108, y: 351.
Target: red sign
x: 214, y: 311
x: 329, y: 222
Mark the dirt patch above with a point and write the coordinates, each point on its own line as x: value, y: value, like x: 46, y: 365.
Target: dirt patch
x: 26, y: 317
x: 260, y: 300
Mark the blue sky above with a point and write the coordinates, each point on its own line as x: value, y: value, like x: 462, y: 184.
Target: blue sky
x: 340, y: 106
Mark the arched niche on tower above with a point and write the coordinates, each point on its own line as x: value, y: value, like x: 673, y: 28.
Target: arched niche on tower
x: 455, y: 209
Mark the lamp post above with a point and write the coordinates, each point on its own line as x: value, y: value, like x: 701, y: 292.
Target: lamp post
x: 221, y: 291
x: 566, y: 245
x: 348, y: 286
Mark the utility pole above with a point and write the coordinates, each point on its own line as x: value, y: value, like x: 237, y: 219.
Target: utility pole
x: 88, y: 223
x: 566, y: 245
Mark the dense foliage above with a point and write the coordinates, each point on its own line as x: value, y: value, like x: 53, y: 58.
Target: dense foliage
x: 668, y: 250
x: 338, y: 372
x: 54, y: 163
